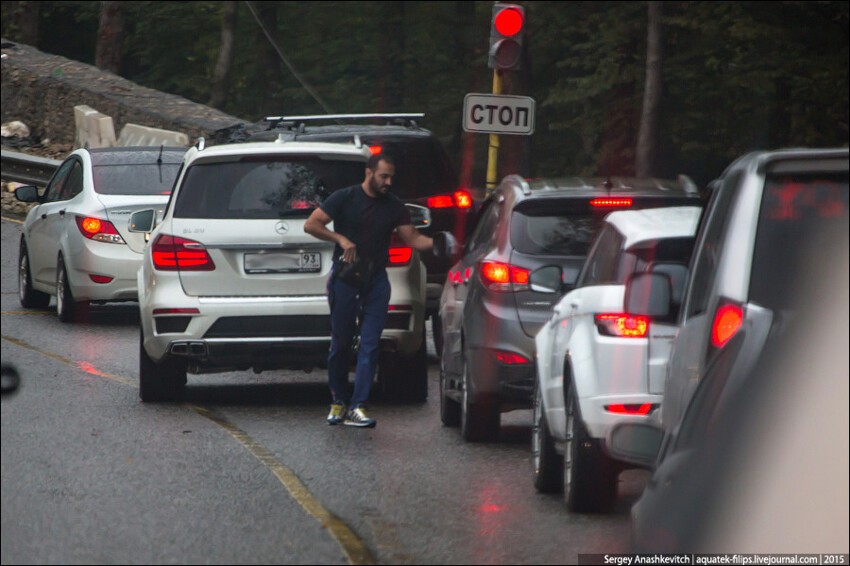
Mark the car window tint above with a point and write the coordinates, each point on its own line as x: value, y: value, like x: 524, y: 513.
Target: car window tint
x: 485, y: 230
x: 58, y: 181
x: 74, y: 184
x: 602, y: 264
x: 710, y: 244
x: 567, y: 233
x: 795, y: 208
x: 135, y: 179
x: 260, y: 187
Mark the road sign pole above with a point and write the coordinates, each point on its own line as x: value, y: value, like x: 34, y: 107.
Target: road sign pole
x: 493, y: 152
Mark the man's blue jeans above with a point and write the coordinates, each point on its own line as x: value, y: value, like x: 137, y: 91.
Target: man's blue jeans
x: 346, y: 303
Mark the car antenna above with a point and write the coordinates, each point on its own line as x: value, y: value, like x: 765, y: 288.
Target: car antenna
x: 608, y: 184
x: 159, y: 159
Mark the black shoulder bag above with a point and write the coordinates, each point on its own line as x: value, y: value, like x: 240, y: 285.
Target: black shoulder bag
x: 358, y: 272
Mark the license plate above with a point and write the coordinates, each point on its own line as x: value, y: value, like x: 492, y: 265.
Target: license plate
x: 282, y: 262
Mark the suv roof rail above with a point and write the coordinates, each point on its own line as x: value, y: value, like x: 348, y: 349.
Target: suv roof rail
x: 405, y: 119
x: 202, y: 143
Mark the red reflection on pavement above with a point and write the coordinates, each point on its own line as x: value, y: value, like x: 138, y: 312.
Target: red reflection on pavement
x: 88, y: 368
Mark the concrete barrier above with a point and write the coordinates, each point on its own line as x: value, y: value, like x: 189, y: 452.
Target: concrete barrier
x: 136, y: 135
x: 93, y: 128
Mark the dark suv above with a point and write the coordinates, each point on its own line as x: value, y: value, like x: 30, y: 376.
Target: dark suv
x: 491, y: 309
x: 425, y: 175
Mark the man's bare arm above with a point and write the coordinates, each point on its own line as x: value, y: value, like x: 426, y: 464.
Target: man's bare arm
x: 413, y: 238
x: 317, y: 226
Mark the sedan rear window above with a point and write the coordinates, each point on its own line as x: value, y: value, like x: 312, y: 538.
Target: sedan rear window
x: 263, y: 186
x: 135, y: 179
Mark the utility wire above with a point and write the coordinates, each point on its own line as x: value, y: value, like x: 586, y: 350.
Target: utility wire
x: 295, y: 73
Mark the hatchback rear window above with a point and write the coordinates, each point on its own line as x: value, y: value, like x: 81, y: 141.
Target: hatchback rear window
x: 796, y: 211
x: 135, y: 179
x: 263, y: 186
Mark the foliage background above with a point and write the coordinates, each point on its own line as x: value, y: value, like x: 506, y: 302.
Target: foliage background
x: 737, y: 76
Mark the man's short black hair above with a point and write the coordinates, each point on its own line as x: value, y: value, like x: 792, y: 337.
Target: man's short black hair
x: 378, y: 157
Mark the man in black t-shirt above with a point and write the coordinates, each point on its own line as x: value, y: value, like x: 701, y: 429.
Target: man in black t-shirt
x: 364, y: 218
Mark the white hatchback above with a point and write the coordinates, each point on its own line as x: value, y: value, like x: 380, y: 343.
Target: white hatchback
x: 75, y: 243
x: 597, y: 364
x: 230, y: 280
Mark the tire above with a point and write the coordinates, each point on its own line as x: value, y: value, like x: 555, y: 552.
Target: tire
x: 30, y: 298
x: 67, y: 308
x: 449, y: 408
x: 480, y: 418
x: 404, y: 378
x: 165, y: 381
x: 589, y: 476
x: 548, y: 464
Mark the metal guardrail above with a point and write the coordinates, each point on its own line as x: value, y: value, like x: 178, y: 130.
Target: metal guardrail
x: 29, y: 169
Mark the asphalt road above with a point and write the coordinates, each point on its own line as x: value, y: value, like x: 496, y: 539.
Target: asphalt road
x: 247, y: 471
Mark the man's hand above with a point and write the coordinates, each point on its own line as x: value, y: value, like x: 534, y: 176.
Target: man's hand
x: 411, y: 236
x: 317, y: 226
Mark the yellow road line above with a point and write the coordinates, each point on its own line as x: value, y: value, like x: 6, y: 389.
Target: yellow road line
x: 15, y: 220
x: 10, y: 313
x: 354, y: 549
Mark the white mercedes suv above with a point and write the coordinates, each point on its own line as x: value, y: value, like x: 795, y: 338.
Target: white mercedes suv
x: 230, y: 281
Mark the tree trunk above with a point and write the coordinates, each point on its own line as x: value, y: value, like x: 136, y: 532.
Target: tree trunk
x: 221, y: 74
x: 110, y: 37
x: 648, y: 136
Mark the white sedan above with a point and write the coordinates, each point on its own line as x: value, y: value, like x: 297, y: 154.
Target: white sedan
x: 75, y: 243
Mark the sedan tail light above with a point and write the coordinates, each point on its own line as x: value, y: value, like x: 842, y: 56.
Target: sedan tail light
x: 622, y: 325
x: 503, y: 277
x: 400, y: 254
x: 98, y: 230
x: 172, y: 253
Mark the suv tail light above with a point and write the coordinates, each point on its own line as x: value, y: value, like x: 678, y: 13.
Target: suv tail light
x: 98, y: 230
x: 460, y: 199
x: 503, y: 277
x: 400, y: 253
x: 727, y: 321
x: 622, y: 325
x: 172, y: 253
x: 511, y: 358
x: 632, y: 409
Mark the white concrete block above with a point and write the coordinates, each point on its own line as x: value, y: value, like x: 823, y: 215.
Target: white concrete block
x: 136, y: 135
x: 93, y: 128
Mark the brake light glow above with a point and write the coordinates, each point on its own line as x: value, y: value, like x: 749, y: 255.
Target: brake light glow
x: 400, y: 254
x: 499, y: 276
x: 622, y: 325
x: 397, y: 308
x: 511, y: 359
x: 632, y: 409
x: 459, y: 199
x: 98, y: 230
x: 608, y: 202
x: 172, y: 253
x: 375, y: 149
x: 727, y: 321
x: 463, y: 199
x: 100, y: 278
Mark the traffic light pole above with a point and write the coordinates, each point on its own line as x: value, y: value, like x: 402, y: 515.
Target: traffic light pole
x: 493, y: 152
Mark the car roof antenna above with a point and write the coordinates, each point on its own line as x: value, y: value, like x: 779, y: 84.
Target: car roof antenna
x: 159, y: 159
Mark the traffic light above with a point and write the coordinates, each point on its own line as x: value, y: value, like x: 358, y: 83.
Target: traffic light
x: 506, y: 32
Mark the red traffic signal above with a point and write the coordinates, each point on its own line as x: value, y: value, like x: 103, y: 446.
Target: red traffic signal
x: 506, y: 35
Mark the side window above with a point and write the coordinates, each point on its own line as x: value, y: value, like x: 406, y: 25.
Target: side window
x: 486, y: 228
x: 74, y: 184
x: 710, y: 245
x: 604, y: 259
x: 54, y: 189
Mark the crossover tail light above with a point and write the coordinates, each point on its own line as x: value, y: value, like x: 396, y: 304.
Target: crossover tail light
x: 631, y: 409
x: 622, y: 325
x: 98, y: 230
x: 400, y: 253
x: 172, y: 253
x: 100, y: 278
x: 500, y: 276
x: 727, y: 321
